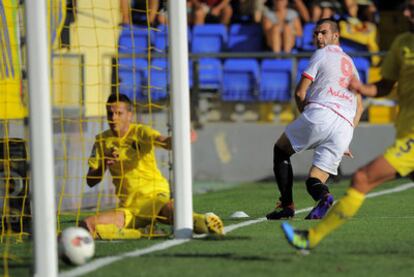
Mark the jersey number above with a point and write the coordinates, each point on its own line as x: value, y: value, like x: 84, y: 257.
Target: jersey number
x: 346, y: 69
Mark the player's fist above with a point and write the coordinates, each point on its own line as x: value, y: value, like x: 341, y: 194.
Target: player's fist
x: 113, y: 157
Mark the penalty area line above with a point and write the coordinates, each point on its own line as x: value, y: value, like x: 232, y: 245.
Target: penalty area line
x: 101, y: 262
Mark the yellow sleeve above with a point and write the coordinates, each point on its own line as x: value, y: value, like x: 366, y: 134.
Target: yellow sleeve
x: 391, y: 64
x: 147, y: 134
x: 95, y: 159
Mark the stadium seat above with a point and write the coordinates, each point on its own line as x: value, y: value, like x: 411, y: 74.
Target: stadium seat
x: 240, y: 80
x: 159, y: 79
x: 245, y: 38
x: 298, y: 43
x: 132, y: 74
x: 161, y: 38
x: 302, y: 64
x: 210, y: 73
x: 349, y: 46
x: 209, y: 38
x: 275, y: 80
x: 134, y: 39
x: 307, y: 38
x: 362, y: 65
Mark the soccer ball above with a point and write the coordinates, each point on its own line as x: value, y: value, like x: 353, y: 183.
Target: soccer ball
x: 76, y: 246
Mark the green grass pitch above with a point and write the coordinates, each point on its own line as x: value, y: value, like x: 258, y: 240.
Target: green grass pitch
x: 378, y: 241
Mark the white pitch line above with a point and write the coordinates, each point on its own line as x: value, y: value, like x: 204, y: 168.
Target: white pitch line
x: 98, y: 263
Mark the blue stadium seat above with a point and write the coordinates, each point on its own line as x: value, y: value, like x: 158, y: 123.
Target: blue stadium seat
x: 240, y: 80
x: 275, y: 79
x: 209, y: 38
x: 362, y: 65
x: 246, y: 38
x: 159, y: 79
x: 132, y: 74
x: 350, y: 46
x: 160, y: 38
x: 210, y: 73
x: 302, y: 64
x: 298, y: 43
x: 134, y: 39
x: 307, y: 38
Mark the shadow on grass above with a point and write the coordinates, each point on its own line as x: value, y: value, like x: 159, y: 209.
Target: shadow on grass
x: 227, y: 256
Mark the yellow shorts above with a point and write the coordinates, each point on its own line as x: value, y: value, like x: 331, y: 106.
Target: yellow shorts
x: 401, y: 155
x: 145, y: 209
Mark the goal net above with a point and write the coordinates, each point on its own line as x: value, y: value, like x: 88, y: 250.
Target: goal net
x: 98, y: 48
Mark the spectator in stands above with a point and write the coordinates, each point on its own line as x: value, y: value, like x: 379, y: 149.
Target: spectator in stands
x: 365, y: 10
x: 301, y: 8
x: 325, y: 9
x: 360, y: 29
x: 162, y: 17
x: 247, y: 11
x: 134, y: 11
x: 212, y: 11
x: 127, y: 151
x: 281, y: 25
x: 190, y: 12
x: 398, y: 159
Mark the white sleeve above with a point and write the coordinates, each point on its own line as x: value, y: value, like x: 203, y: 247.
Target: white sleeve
x: 314, y: 64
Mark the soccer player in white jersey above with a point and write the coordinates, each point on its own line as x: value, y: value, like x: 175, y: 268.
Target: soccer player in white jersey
x: 329, y: 114
x: 398, y: 158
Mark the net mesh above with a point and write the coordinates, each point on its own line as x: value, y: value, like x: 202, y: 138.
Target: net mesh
x: 98, y: 48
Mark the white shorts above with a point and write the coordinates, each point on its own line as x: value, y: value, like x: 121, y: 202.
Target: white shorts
x: 325, y: 131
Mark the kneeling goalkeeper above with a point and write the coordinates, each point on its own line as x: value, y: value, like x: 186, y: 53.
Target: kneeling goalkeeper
x: 128, y: 151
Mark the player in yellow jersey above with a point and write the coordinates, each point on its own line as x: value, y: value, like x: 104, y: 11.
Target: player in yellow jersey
x: 398, y: 159
x: 127, y: 151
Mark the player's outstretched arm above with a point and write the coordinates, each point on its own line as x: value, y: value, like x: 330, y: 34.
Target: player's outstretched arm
x: 164, y: 142
x: 378, y: 89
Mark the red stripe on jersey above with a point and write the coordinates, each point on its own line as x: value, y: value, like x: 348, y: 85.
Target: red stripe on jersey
x: 307, y: 76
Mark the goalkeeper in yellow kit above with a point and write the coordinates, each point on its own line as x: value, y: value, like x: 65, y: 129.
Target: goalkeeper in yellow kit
x: 127, y: 151
x: 398, y: 159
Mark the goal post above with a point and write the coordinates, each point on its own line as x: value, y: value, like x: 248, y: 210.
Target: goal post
x: 41, y: 140
x: 180, y: 102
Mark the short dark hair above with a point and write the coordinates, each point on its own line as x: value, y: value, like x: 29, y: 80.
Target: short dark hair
x: 334, y: 24
x: 119, y: 97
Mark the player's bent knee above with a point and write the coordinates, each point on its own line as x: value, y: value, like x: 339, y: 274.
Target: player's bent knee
x: 360, y: 181
x: 279, y: 155
x: 87, y: 224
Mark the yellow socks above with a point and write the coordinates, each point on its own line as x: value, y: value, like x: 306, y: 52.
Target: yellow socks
x: 199, y: 224
x: 344, y: 209
x: 208, y: 223
x: 111, y: 231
